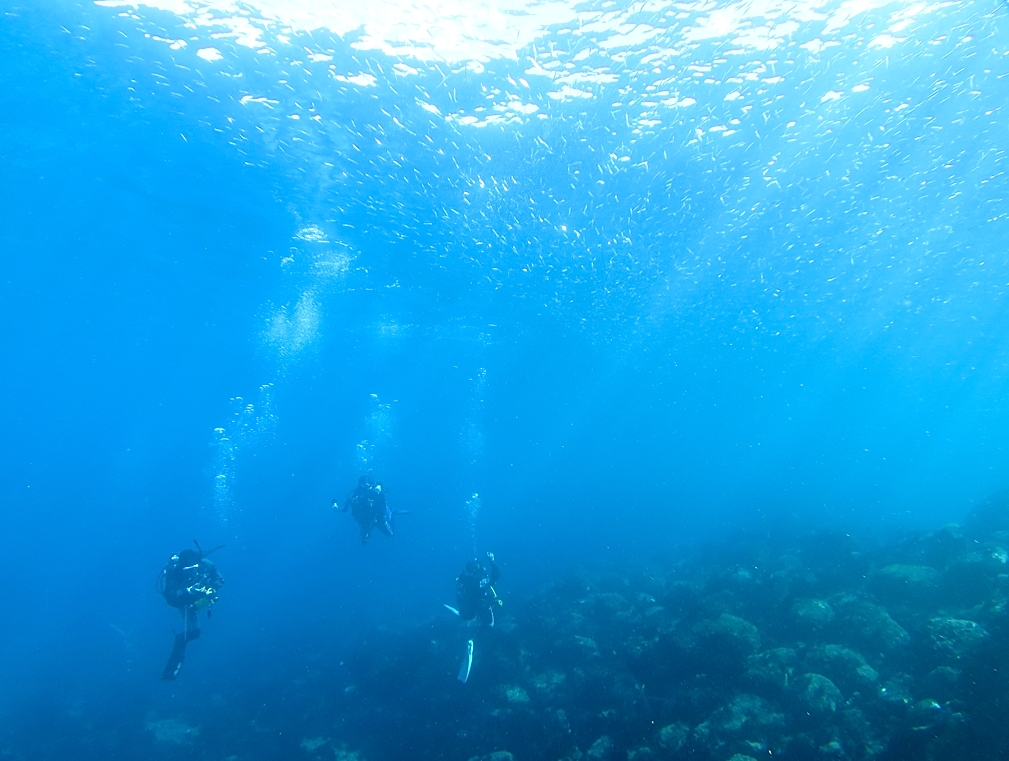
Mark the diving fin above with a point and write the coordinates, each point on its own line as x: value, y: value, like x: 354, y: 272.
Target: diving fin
x: 467, y: 663
x: 208, y: 552
x: 453, y: 610
x: 175, y: 659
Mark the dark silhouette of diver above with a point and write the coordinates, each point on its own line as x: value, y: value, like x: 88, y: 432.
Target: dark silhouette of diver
x: 476, y: 599
x: 190, y: 583
x: 368, y: 507
x: 474, y: 591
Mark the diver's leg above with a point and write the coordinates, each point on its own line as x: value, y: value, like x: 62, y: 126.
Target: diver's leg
x: 486, y: 616
x: 362, y: 526
x: 467, y: 662
x: 192, y: 624
x: 175, y: 659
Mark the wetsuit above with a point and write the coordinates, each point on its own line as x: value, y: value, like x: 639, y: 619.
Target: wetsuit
x: 367, y: 504
x: 474, y: 591
x: 189, y: 583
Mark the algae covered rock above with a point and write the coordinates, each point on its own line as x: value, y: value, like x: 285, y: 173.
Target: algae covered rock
x: 601, y: 749
x: 832, y: 749
x: 943, y: 682
x: 515, y: 694
x: 896, y: 692
x: 643, y: 753
x: 972, y: 576
x: 844, y: 667
x: 813, y: 612
x: 957, y: 636
x: 746, y: 723
x: 873, y: 625
x: 729, y: 633
x: 926, y: 714
x: 903, y: 584
x: 548, y: 683
x: 820, y: 695
x: 672, y: 737
x: 311, y: 744
x: 774, y: 668
x: 587, y: 645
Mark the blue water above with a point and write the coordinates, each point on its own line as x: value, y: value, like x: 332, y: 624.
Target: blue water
x: 743, y: 268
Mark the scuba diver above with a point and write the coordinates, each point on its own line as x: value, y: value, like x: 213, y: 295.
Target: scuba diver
x: 476, y: 599
x: 474, y: 591
x: 190, y: 583
x: 368, y: 507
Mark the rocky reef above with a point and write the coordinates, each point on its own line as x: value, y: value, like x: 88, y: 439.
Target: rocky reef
x: 822, y: 647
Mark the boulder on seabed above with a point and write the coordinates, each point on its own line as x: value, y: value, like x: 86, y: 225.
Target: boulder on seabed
x: 813, y: 612
x: 748, y: 721
x: 957, y: 636
x: 774, y: 667
x: 672, y: 737
x: 820, y: 694
x: 731, y: 633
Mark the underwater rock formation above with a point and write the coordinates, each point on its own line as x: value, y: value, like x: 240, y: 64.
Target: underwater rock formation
x: 822, y: 648
x: 819, y: 649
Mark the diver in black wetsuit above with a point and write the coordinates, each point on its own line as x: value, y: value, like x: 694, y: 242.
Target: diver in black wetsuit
x: 476, y: 599
x: 190, y: 583
x: 368, y: 507
x: 474, y: 591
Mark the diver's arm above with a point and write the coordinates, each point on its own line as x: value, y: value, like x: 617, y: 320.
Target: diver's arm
x: 495, y: 574
x: 347, y: 503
